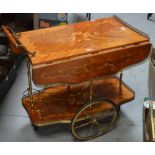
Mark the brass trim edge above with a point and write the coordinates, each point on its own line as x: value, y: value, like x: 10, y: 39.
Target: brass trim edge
x: 131, y: 27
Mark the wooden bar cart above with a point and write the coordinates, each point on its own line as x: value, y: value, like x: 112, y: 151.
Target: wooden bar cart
x: 77, y: 64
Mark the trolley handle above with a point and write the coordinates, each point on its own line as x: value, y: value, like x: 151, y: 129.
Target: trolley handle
x: 15, y: 45
x: 12, y: 36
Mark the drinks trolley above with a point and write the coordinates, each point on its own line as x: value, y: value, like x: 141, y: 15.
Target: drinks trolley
x: 76, y: 65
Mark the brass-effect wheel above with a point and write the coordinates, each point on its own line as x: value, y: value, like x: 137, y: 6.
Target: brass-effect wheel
x: 94, y: 119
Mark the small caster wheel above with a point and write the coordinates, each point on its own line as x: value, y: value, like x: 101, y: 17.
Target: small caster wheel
x: 36, y: 128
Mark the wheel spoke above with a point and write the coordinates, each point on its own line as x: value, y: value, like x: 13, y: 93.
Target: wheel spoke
x: 97, y: 123
x: 94, y: 119
x: 82, y: 125
x: 88, y: 117
x: 89, y: 129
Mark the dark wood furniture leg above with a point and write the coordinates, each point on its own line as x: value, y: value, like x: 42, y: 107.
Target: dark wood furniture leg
x: 149, y: 15
x: 89, y: 16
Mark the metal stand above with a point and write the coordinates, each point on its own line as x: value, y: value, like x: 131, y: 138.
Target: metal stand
x: 121, y: 78
x: 91, y: 91
x: 29, y: 84
x: 88, y: 16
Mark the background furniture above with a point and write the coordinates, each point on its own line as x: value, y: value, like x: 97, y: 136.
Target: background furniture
x: 9, y: 62
x: 7, y: 69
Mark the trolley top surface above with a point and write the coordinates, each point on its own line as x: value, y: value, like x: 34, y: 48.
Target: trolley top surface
x: 68, y: 41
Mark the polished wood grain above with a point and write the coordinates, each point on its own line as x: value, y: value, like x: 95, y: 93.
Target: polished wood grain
x: 90, y: 66
x: 79, y: 52
x: 59, y: 103
x: 68, y: 41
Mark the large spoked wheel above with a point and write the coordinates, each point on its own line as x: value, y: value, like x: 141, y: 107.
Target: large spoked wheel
x: 94, y: 119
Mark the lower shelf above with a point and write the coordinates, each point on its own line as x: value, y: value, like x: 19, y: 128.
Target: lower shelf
x: 60, y: 104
